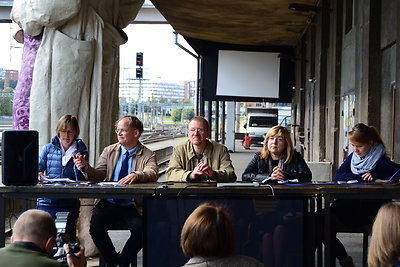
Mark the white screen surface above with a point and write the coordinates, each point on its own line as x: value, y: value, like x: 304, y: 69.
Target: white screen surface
x: 248, y: 74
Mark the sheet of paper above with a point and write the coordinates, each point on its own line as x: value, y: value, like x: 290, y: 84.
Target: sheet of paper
x: 46, y: 179
x: 110, y: 184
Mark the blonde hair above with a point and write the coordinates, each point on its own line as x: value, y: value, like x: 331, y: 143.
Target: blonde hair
x: 279, y: 131
x: 62, y: 125
x: 208, y: 232
x: 384, y: 249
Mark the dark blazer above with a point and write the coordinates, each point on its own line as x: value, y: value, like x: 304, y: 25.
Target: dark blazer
x: 258, y: 170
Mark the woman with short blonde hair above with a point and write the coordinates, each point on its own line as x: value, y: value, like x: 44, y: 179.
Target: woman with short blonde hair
x: 56, y: 161
x: 384, y: 248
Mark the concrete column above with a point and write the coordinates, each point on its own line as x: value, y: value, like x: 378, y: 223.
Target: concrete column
x: 230, y: 126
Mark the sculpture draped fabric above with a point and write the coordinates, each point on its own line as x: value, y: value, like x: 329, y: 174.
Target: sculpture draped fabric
x: 77, y: 64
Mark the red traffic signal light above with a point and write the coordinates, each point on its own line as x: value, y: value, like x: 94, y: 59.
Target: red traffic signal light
x: 139, y: 59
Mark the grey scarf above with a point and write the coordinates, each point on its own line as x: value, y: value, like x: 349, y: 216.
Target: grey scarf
x: 368, y: 163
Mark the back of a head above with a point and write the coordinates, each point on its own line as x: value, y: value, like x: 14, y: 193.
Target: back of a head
x: 208, y: 232
x: 34, y: 226
x: 384, y: 249
x: 362, y: 134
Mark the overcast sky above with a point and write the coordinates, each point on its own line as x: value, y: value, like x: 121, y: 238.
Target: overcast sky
x: 10, y: 55
x: 161, y: 57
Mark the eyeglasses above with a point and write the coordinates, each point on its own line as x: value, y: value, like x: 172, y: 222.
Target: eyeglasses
x: 67, y: 132
x: 123, y: 131
x: 199, y: 130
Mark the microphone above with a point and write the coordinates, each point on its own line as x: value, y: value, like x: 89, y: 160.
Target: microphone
x: 83, y: 153
x: 280, y: 163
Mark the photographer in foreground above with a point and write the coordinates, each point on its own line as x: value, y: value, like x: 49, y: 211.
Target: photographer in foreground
x: 32, y: 243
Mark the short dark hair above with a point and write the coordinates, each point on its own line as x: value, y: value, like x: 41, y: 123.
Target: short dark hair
x: 67, y: 119
x: 208, y: 232
x: 134, y: 123
x: 34, y: 225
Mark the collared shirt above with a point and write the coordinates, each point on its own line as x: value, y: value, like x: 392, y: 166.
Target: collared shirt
x: 67, y: 154
x: 115, y: 178
x: 120, y: 159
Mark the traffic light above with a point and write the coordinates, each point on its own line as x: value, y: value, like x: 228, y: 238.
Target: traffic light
x: 139, y: 73
x: 139, y: 59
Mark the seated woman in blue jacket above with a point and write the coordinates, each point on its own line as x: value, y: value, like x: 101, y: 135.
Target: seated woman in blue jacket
x: 277, y: 161
x: 367, y: 163
x: 56, y: 161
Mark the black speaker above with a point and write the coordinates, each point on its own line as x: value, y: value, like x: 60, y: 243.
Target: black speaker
x: 20, y: 156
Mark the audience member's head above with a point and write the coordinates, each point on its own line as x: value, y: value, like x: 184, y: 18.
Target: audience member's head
x: 208, y: 232
x: 384, y: 249
x: 278, y: 140
x: 35, y: 226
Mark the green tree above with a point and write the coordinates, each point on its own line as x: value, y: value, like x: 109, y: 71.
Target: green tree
x: 176, y: 115
x: 163, y: 100
x: 1, y: 84
x: 5, y: 106
x: 187, y: 114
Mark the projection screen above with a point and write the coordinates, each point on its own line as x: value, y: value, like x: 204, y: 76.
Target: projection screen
x: 248, y: 74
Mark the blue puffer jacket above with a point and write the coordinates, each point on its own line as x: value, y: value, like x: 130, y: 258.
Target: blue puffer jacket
x: 50, y: 162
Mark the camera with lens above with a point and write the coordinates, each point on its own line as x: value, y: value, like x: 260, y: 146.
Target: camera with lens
x: 65, y: 225
x: 74, y: 247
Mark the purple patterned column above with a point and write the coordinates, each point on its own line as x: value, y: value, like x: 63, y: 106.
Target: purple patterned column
x: 23, y: 89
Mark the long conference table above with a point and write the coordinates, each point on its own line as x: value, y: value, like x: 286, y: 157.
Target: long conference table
x: 319, y: 196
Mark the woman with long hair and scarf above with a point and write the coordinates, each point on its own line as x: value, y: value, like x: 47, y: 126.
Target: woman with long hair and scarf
x: 368, y: 163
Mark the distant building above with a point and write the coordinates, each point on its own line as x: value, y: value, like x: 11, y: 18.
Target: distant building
x: 190, y: 90
x: 10, y: 79
x: 150, y: 90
